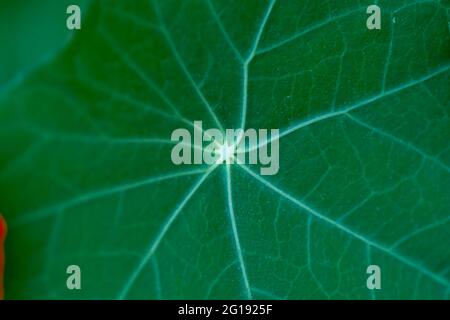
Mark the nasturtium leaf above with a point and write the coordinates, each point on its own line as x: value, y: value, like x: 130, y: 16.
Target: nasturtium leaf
x: 24, y: 45
x: 86, y: 176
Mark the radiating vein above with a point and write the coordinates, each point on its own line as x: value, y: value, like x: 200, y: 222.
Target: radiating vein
x: 181, y: 63
x: 389, y: 55
x: 224, y: 32
x: 21, y: 158
x: 312, y: 28
x: 248, y: 60
x: 153, y: 246
x: 266, y: 293
x: 405, y: 144
x: 420, y: 230
x: 235, y: 234
x: 157, y: 278
x: 92, y: 195
x: 407, y: 261
x: 138, y: 71
x: 159, y: 237
x: 89, y: 139
x: 261, y: 29
x: 357, y: 105
x: 122, y: 97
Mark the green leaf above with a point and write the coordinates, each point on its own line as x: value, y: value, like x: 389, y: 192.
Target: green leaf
x: 86, y: 176
x: 23, y: 44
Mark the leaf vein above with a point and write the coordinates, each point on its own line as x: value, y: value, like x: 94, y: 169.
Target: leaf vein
x: 407, y: 261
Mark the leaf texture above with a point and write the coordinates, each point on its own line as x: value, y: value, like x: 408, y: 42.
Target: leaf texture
x: 86, y: 176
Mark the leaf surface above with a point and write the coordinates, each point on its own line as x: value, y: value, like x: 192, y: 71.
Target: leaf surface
x: 86, y: 176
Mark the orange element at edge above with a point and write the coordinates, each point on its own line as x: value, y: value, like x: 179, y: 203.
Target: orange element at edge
x: 2, y: 252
